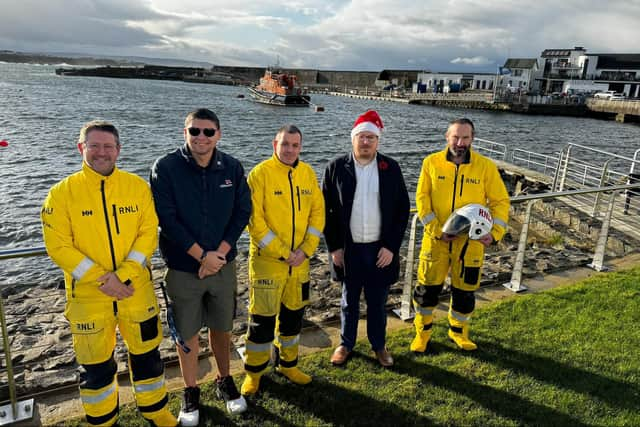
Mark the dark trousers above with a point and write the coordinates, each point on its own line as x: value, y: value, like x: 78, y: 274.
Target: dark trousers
x: 363, y: 274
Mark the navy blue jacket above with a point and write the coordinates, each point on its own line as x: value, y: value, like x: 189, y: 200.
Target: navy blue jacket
x: 339, y: 187
x: 198, y: 204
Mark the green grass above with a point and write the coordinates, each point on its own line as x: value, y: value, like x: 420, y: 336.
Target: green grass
x: 565, y: 357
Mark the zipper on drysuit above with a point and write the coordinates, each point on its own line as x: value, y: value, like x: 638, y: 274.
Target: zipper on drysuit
x: 453, y: 200
x: 298, y: 193
x: 115, y: 218
x: 463, y: 252
x: 293, y: 213
x: 106, y: 219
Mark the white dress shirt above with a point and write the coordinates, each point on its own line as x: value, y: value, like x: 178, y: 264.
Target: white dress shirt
x: 366, y: 219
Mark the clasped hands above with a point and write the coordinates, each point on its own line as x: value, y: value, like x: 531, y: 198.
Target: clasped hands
x: 385, y: 256
x: 113, y: 287
x: 296, y: 258
x: 211, y: 264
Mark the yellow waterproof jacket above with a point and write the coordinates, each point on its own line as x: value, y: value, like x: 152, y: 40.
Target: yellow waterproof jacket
x: 287, y: 213
x: 93, y: 224
x: 444, y: 187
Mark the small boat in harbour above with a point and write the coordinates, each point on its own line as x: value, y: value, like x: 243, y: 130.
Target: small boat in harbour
x: 279, y: 88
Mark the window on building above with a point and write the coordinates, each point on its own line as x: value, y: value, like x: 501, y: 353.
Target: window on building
x: 517, y: 73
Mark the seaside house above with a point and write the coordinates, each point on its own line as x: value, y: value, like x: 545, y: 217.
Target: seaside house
x: 519, y: 75
x: 619, y: 72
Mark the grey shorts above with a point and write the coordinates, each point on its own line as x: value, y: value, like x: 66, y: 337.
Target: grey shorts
x: 207, y: 302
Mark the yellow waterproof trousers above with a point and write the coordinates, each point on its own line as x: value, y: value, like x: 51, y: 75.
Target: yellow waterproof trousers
x: 93, y: 326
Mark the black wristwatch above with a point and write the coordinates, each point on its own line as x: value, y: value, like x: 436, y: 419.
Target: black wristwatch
x: 204, y: 255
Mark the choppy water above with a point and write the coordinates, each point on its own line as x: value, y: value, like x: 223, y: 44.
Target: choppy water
x: 41, y: 115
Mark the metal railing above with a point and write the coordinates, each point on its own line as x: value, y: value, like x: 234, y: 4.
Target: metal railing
x: 492, y: 149
x: 542, y: 163
x: 16, y: 410
x: 575, y: 167
x: 515, y: 284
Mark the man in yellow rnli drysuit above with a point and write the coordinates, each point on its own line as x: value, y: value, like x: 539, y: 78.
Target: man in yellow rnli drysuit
x: 100, y: 227
x: 286, y: 224
x: 449, y: 179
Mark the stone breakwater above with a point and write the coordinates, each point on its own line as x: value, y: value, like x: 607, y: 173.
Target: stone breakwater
x: 40, y: 339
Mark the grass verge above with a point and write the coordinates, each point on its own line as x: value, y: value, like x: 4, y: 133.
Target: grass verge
x: 564, y: 357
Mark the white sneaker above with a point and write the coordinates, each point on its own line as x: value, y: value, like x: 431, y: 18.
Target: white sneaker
x: 189, y: 412
x: 227, y: 391
x: 189, y: 419
x: 237, y: 406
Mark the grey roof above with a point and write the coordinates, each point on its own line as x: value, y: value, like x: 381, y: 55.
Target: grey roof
x: 527, y: 63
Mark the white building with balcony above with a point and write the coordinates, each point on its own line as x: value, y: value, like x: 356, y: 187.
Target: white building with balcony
x: 614, y: 71
x: 559, y: 66
x: 520, y: 75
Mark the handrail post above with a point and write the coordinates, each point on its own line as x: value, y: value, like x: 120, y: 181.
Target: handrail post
x: 598, y: 256
x: 7, y: 356
x: 515, y: 284
x: 404, y: 312
x: 605, y: 169
x: 14, y: 411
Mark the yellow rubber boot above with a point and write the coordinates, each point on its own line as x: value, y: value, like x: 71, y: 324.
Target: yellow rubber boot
x: 250, y: 384
x: 459, y: 330
x: 462, y: 340
x: 420, y: 341
x: 294, y: 375
x: 162, y: 418
x: 423, y: 322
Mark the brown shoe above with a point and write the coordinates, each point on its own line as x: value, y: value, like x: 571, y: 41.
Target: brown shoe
x: 384, y: 357
x: 340, y: 356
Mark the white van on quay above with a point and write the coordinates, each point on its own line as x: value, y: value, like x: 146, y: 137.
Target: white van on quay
x: 618, y: 97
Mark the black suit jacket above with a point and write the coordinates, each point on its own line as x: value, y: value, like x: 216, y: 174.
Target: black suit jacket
x: 339, y: 186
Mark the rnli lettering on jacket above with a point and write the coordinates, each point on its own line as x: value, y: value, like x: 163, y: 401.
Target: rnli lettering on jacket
x: 444, y: 187
x: 94, y: 224
x: 288, y: 209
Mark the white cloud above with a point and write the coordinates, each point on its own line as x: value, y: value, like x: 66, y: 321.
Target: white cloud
x: 476, y: 60
x: 356, y: 34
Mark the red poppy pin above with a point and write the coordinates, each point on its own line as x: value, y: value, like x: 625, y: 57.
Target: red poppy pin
x: 383, y: 166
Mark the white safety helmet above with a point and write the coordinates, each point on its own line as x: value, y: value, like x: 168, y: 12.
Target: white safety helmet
x: 474, y: 218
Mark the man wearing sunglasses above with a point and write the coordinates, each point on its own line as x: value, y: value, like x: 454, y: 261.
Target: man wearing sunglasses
x: 203, y: 204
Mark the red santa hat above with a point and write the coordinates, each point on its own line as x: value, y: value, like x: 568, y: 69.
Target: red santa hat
x: 369, y: 121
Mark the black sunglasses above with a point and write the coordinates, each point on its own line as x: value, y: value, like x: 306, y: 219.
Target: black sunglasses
x: 208, y: 132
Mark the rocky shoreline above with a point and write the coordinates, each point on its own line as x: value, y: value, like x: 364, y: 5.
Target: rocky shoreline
x: 40, y: 339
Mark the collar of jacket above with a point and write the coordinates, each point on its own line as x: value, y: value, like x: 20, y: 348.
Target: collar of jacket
x: 215, y: 162
x: 350, y: 162
x: 284, y: 166
x: 467, y: 158
x: 94, y: 177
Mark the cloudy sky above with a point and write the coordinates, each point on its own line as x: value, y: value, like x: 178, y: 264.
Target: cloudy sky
x: 439, y: 35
